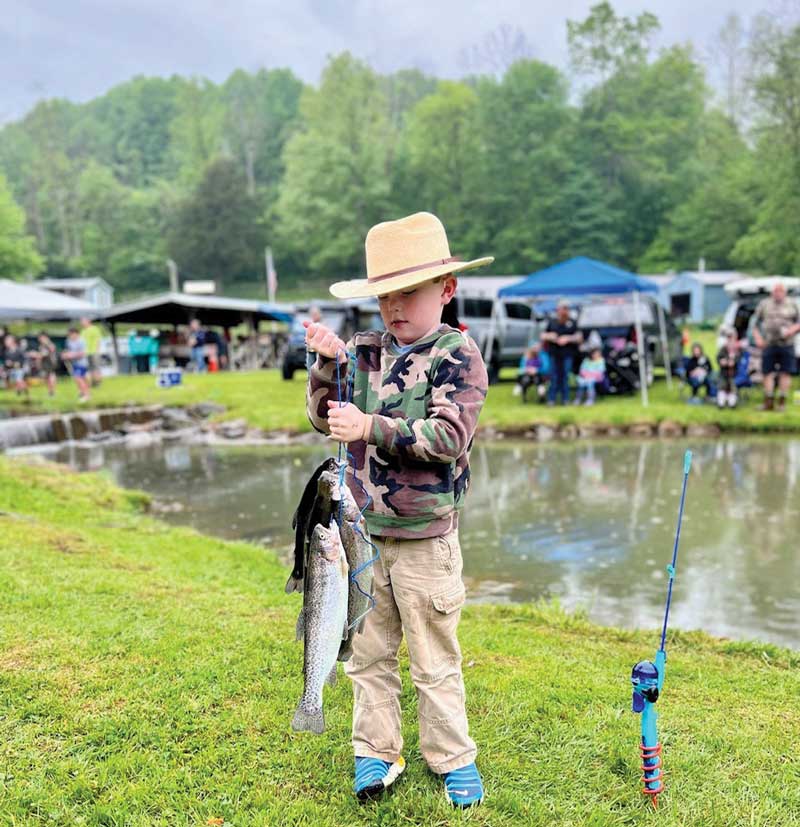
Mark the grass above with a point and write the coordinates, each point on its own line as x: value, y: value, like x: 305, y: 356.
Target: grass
x: 267, y: 401
x: 148, y: 676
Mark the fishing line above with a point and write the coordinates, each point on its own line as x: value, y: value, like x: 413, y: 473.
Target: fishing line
x: 349, y: 379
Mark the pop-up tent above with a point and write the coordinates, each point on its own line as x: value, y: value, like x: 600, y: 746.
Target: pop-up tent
x: 20, y: 302
x: 584, y: 276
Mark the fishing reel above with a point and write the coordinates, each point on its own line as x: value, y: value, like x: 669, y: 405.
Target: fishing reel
x: 644, y: 678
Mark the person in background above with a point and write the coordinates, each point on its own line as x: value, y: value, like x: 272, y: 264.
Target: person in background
x: 698, y: 374
x: 3, y: 373
x: 562, y: 338
x: 779, y: 321
x: 46, y: 361
x: 74, y: 354
x: 728, y: 360
x: 591, y: 373
x: 16, y: 364
x: 533, y: 370
x: 197, y: 341
x: 91, y: 335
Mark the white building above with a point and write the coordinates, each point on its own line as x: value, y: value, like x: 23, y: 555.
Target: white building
x: 94, y: 290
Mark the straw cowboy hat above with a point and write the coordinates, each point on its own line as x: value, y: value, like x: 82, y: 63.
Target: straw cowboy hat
x: 402, y: 254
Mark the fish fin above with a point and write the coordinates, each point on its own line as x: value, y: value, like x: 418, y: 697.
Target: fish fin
x: 300, y: 628
x: 294, y: 584
x: 308, y: 720
x: 345, y: 630
x: 332, y: 676
x: 345, y: 652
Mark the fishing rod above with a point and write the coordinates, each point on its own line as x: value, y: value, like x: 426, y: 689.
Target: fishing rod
x: 647, y: 678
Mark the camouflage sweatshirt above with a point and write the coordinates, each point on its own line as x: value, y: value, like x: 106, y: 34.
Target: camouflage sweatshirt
x: 425, y: 400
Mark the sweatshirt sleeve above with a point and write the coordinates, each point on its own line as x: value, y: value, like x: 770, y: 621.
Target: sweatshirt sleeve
x: 322, y: 386
x: 458, y: 391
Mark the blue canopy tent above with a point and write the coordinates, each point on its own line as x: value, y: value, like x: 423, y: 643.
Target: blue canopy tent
x: 582, y: 276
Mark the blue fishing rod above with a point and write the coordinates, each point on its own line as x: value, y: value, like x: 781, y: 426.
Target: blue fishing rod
x: 647, y: 679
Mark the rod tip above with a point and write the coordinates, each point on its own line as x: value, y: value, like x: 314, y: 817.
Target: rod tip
x: 687, y: 462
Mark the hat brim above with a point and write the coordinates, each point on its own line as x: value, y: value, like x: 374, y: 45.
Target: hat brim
x: 362, y: 288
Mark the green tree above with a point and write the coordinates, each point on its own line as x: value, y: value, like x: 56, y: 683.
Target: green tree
x: 442, y: 148
x: 525, y: 124
x: 772, y: 243
x: 261, y: 112
x: 128, y: 128
x: 605, y: 44
x: 18, y: 256
x: 337, y: 184
x: 215, y: 233
x: 196, y: 130
x: 717, y: 212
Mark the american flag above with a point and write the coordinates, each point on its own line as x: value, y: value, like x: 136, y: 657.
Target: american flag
x: 272, y: 276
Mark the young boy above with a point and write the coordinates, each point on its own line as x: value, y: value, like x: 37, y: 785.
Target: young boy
x: 418, y: 389
x: 75, y: 356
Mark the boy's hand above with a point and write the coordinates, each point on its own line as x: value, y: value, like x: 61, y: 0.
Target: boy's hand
x: 324, y: 341
x: 348, y: 423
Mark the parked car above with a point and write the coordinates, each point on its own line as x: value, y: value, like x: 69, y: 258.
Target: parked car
x: 343, y: 317
x: 615, y: 317
x: 745, y: 295
x: 502, y: 340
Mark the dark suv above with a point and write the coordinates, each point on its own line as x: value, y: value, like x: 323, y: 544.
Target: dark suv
x: 343, y: 317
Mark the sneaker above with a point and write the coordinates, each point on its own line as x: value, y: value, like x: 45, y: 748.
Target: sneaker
x: 463, y: 787
x: 373, y: 776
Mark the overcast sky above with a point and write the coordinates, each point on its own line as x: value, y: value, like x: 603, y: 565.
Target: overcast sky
x: 80, y: 48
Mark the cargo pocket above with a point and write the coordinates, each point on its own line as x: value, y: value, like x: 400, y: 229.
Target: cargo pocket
x: 444, y: 611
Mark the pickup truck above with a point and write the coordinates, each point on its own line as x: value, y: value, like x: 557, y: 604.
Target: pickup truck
x: 503, y: 339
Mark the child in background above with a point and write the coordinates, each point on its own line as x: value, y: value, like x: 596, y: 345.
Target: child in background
x: 46, y: 361
x: 16, y: 363
x: 533, y: 369
x: 75, y: 356
x: 698, y: 374
x: 418, y: 388
x: 592, y: 372
x: 728, y: 360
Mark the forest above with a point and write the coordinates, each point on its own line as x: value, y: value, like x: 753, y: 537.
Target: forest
x: 630, y: 155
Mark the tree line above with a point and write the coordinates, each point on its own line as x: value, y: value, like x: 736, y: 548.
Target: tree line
x: 629, y: 157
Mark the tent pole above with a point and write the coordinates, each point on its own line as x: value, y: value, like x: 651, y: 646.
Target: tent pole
x: 114, y: 346
x: 640, y: 347
x: 489, y: 344
x: 662, y: 326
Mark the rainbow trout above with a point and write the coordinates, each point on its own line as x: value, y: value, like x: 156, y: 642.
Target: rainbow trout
x: 322, y: 624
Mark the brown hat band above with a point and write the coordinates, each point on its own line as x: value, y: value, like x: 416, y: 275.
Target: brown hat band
x: 405, y: 270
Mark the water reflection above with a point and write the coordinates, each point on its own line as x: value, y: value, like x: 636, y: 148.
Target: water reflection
x: 591, y: 523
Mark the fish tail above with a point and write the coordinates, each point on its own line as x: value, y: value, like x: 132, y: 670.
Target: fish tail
x: 308, y: 719
x: 294, y: 584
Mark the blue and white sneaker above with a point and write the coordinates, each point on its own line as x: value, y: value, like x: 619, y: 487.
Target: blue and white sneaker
x: 374, y: 775
x: 463, y: 786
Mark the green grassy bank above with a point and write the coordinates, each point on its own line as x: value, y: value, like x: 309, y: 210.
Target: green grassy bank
x: 148, y: 676
x: 266, y: 401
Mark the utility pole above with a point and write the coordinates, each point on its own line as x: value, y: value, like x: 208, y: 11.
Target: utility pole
x: 173, y: 276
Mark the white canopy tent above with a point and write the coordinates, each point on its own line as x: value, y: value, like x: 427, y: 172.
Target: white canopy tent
x: 19, y: 302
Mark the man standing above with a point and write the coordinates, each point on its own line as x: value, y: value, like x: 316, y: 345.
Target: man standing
x: 779, y: 319
x: 91, y: 335
x: 562, y: 337
x: 197, y: 340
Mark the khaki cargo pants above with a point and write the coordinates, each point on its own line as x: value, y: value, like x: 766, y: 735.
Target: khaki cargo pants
x: 418, y: 591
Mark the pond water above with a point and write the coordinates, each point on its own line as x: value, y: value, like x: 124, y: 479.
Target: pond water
x: 591, y: 523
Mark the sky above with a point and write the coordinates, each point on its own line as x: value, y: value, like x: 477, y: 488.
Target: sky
x: 81, y: 48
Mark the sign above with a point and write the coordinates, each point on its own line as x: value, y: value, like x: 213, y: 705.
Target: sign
x: 169, y: 377
x: 204, y: 288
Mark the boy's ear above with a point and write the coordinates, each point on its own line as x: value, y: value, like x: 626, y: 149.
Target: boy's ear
x: 449, y: 288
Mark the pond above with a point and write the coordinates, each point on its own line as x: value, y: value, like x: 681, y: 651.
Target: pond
x: 590, y: 523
